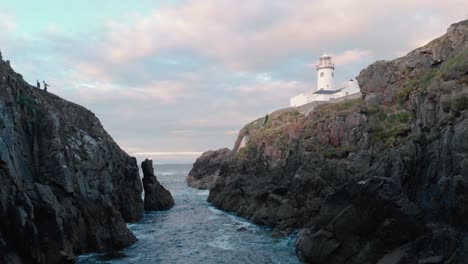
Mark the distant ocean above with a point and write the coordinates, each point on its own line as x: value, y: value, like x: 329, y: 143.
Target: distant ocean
x: 196, y: 232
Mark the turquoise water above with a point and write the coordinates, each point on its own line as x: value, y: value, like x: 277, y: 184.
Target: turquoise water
x: 195, y: 232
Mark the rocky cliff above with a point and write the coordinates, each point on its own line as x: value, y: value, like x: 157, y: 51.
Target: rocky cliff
x: 382, y: 179
x: 65, y: 186
x: 206, y: 168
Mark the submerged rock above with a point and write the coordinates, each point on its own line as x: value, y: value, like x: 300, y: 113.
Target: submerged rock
x: 157, y: 198
x: 206, y: 168
x: 382, y: 179
x: 66, y: 187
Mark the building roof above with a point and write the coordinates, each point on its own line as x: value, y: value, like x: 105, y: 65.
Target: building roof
x: 327, y: 91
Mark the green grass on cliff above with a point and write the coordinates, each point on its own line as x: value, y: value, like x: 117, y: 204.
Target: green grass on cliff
x: 339, y: 108
x: 331, y: 111
x: 276, y: 119
x: 461, y: 103
x: 454, y: 68
x: 329, y: 152
x: 249, y: 152
x: 272, y: 133
x: 340, y: 152
x: 456, y: 106
x: 28, y: 102
x: 388, y: 124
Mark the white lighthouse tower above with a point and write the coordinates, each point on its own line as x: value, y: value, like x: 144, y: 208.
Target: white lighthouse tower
x: 325, y: 73
x: 327, y: 91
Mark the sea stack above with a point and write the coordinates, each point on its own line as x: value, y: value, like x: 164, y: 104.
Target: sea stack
x: 157, y: 198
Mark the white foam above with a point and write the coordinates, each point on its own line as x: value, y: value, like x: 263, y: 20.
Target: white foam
x: 212, y: 217
x: 240, y: 222
x: 203, y: 193
x: 166, y: 173
x: 215, y: 211
x: 222, y: 242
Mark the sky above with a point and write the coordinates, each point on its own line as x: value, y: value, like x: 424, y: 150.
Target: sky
x: 170, y: 79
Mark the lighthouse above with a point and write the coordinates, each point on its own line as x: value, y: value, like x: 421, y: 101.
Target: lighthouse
x: 327, y: 91
x: 325, y: 73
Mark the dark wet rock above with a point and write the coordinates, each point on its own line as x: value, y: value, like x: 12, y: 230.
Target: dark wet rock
x: 382, y: 179
x: 242, y: 229
x: 66, y: 187
x: 206, y: 168
x: 111, y: 256
x: 157, y: 198
x: 431, y: 260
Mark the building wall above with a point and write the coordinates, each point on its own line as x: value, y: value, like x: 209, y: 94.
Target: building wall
x: 352, y: 88
x: 298, y: 100
x: 348, y: 97
x: 318, y: 97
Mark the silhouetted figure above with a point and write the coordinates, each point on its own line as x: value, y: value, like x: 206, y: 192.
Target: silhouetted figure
x: 38, y: 84
x: 45, y: 85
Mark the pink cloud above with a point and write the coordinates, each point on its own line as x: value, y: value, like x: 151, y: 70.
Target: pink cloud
x: 351, y: 56
x: 346, y: 57
x: 270, y: 88
x: 165, y: 92
x: 238, y: 34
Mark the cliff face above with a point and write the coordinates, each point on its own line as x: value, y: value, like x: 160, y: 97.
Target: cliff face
x: 382, y: 179
x: 65, y: 186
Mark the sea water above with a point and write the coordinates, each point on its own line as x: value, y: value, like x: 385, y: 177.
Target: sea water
x: 193, y: 231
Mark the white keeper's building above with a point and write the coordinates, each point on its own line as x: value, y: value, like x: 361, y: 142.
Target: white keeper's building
x: 326, y: 89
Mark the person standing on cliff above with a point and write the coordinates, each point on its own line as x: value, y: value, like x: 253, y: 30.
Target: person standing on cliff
x: 45, y: 85
x: 38, y: 84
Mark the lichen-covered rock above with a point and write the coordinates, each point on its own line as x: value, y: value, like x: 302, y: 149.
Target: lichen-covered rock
x: 66, y: 187
x: 157, y: 198
x: 206, y: 168
x: 378, y: 180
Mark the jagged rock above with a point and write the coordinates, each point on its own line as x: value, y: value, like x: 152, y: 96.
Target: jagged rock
x: 378, y: 180
x: 157, y: 198
x: 66, y: 187
x: 206, y: 168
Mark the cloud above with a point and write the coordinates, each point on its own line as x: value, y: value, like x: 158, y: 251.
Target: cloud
x: 269, y: 88
x: 231, y: 132
x: 165, y: 92
x: 193, y: 72
x: 7, y: 23
x: 256, y: 33
x: 240, y: 36
x: 350, y: 56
